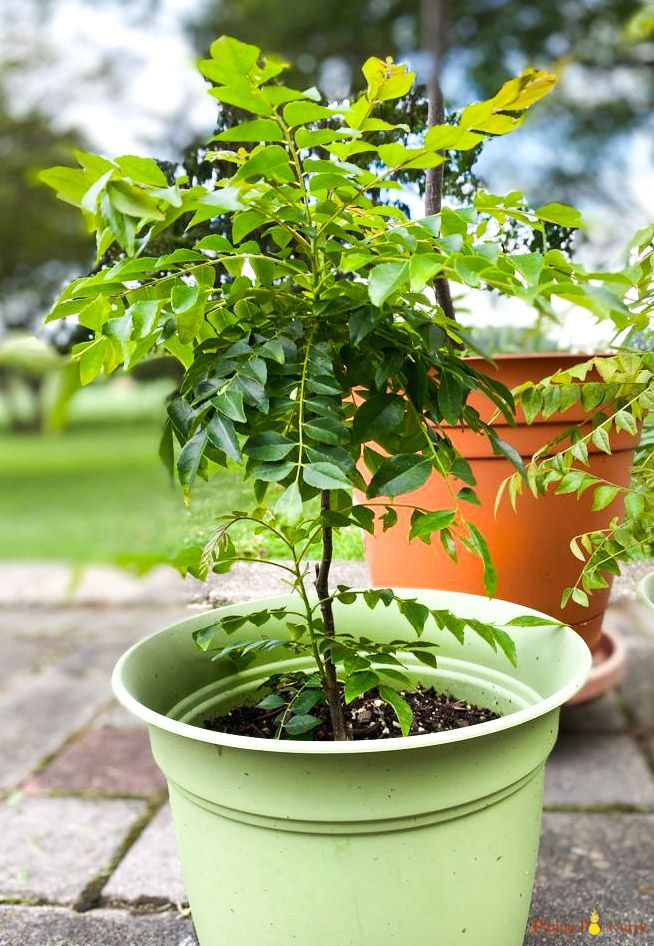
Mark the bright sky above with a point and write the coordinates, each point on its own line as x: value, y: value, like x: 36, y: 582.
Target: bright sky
x: 153, y: 101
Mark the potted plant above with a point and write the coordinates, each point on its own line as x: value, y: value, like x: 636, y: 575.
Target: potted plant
x: 309, y: 766
x: 548, y: 416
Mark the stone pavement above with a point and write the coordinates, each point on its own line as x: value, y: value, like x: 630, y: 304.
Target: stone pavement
x: 88, y: 855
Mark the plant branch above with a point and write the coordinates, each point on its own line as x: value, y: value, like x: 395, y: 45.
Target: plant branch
x: 332, y: 692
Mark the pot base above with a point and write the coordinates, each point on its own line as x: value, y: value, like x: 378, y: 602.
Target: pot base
x: 608, y: 670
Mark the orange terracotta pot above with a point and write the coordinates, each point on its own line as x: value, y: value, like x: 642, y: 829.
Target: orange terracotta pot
x: 530, y: 547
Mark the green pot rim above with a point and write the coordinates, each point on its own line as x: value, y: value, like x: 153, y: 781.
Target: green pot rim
x: 315, y: 747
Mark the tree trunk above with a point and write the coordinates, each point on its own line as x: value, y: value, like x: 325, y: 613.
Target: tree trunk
x: 433, y: 43
x: 332, y: 691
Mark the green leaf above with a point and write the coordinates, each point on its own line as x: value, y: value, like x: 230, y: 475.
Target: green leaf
x: 415, y: 613
x: 183, y: 297
x: 424, y: 524
x: 634, y: 505
x: 507, y: 645
x: 289, y: 504
x: 386, y: 80
x: 530, y: 265
x: 601, y: 439
x: 230, y: 403
x: 222, y: 435
x: 91, y: 360
x: 479, y: 545
x: 167, y: 448
x: 451, y: 397
x: 271, y: 702
x: 143, y: 170
x: 532, y: 620
x: 580, y: 597
x: 380, y: 415
x: 301, y: 113
x: 268, y: 446
x: 360, y: 682
x: 422, y: 267
x: 300, y: 724
x: 325, y: 476
x: 71, y: 184
x: 225, y: 200
x: 604, y: 496
x: 245, y: 222
x: 626, y: 421
x: 132, y: 201
x: 143, y: 315
x: 402, y: 709
x: 230, y: 59
x: 260, y: 129
x: 385, y: 279
x: 274, y: 471
x: 399, y: 474
x: 451, y: 138
x: 268, y: 161
x: 561, y: 214
x: 188, y: 461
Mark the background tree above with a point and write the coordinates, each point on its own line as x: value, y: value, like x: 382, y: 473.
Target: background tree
x: 607, y: 97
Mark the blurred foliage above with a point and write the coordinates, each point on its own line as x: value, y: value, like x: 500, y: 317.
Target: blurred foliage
x: 41, y: 239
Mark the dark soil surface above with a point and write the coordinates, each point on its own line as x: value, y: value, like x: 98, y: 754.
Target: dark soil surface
x: 369, y: 717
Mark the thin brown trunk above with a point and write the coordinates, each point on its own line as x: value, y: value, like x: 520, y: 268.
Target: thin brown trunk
x: 433, y: 42
x: 332, y: 691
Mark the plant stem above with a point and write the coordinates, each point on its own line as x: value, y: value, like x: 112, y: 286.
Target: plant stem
x: 332, y: 692
x: 433, y: 37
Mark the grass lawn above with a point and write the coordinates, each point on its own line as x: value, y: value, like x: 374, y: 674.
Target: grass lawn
x: 98, y: 490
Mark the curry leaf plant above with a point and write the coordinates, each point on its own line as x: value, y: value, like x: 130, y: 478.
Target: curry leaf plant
x: 316, y: 356
x: 616, y: 393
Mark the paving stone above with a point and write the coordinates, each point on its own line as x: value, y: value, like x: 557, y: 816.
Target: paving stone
x: 108, y: 761
x: 248, y: 580
x: 72, y: 625
x: 594, y: 861
x: 55, y: 584
x: 630, y: 618
x: 36, y: 719
x: 638, y: 689
x: 150, y: 871
x: 598, y: 769
x: 26, y: 655
x: 52, y: 926
x: 602, y: 715
x: 52, y: 848
x: 116, y: 716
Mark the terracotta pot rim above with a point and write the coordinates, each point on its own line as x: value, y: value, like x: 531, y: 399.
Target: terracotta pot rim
x: 531, y: 356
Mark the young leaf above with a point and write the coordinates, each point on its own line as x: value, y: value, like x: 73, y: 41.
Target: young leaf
x: 604, y: 496
x: 385, y: 279
x: 424, y: 524
x: 402, y: 709
x: 360, y: 682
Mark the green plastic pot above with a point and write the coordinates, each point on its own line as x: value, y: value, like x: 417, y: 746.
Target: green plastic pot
x: 427, y: 840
